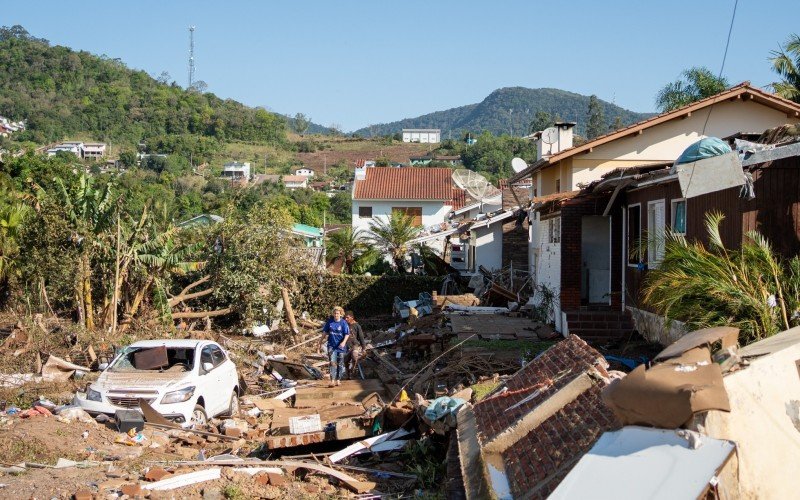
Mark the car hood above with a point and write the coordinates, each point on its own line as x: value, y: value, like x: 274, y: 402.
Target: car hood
x: 127, y: 380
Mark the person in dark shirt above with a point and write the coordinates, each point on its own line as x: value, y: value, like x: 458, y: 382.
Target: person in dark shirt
x: 358, y: 352
x: 337, y: 331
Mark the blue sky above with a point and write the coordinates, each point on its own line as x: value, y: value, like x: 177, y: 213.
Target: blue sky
x: 353, y: 63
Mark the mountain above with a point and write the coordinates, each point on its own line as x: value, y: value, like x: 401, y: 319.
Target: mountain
x: 61, y: 92
x: 493, y: 113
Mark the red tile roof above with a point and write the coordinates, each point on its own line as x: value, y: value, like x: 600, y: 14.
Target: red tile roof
x: 459, y: 199
x: 407, y: 183
x: 540, y: 459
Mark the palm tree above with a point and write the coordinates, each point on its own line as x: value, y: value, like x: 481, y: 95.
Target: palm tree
x: 351, y: 247
x: 786, y: 62
x: 750, y: 288
x: 695, y: 84
x: 90, y: 210
x: 392, y: 236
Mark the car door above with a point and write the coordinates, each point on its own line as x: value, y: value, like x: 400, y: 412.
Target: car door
x: 210, y: 382
x: 228, y: 376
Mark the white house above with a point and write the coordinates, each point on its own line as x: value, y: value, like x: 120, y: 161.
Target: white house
x: 295, y: 181
x: 304, y: 171
x: 424, y: 135
x: 426, y: 194
x: 75, y: 148
x: 563, y: 169
x: 94, y: 150
x: 236, y: 170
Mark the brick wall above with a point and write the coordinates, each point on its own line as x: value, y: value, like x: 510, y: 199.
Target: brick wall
x: 572, y: 211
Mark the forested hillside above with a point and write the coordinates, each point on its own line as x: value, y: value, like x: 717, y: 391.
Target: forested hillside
x: 508, y: 110
x: 61, y: 92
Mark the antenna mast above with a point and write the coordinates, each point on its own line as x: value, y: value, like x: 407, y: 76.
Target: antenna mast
x: 191, y: 56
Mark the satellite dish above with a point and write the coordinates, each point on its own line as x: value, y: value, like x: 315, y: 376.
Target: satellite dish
x: 477, y: 187
x: 550, y: 135
x: 518, y: 165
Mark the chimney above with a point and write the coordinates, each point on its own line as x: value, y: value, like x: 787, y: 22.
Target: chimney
x: 553, y: 139
x: 564, y: 135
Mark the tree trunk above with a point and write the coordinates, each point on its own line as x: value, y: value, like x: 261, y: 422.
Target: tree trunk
x: 87, y: 291
x: 139, y: 297
x: 200, y: 314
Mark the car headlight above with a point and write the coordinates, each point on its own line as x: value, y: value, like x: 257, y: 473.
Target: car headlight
x: 178, y: 396
x: 93, y: 395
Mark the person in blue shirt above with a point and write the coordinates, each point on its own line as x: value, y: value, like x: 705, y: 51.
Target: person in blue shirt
x: 338, y: 331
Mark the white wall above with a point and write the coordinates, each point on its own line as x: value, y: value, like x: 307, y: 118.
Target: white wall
x: 433, y: 212
x: 422, y: 137
x: 764, y: 421
x: 665, y: 142
x: 489, y: 246
x: 548, y: 263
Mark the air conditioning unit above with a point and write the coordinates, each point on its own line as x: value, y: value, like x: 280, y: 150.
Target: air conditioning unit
x: 459, y: 255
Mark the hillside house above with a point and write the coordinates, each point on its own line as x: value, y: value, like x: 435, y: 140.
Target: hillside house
x: 75, y: 148
x: 305, y: 172
x: 295, y: 181
x: 425, y: 194
x: 94, y: 150
x: 236, y: 171
x: 578, y: 230
x: 422, y: 135
x: 421, y: 160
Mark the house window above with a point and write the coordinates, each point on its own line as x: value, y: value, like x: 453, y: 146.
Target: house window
x: 554, y: 230
x: 558, y: 185
x: 678, y: 216
x: 655, y: 232
x: 364, y: 212
x: 634, y: 234
x: 414, y: 212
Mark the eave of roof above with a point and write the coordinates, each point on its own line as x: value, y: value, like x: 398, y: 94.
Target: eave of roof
x: 741, y: 91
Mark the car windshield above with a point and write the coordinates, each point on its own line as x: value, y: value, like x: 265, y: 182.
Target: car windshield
x: 158, y: 359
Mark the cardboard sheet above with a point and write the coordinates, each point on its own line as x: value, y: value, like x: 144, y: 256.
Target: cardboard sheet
x: 728, y: 334
x: 668, y: 394
x: 59, y: 370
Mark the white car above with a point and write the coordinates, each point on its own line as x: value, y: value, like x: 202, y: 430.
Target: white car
x: 187, y: 381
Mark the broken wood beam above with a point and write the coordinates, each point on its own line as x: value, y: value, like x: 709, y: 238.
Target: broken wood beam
x: 287, y: 303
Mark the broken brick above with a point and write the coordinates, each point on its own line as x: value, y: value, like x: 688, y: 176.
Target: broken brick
x: 83, y: 495
x: 276, y: 479
x: 131, y: 490
x: 233, y: 432
x: 156, y: 474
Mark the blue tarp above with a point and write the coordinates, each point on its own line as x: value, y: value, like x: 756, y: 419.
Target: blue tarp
x: 704, y: 148
x: 442, y: 406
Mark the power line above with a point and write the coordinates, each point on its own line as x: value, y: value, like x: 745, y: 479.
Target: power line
x: 719, y: 77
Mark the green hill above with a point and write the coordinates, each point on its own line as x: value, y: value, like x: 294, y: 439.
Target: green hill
x: 506, y: 109
x: 61, y: 92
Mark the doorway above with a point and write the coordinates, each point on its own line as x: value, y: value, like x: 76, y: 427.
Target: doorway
x: 595, y: 259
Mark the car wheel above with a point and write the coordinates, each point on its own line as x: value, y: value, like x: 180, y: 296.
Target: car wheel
x: 233, y: 407
x: 199, y: 416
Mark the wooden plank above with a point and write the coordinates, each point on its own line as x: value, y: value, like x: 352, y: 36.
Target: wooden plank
x: 350, y: 390
x: 491, y: 325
